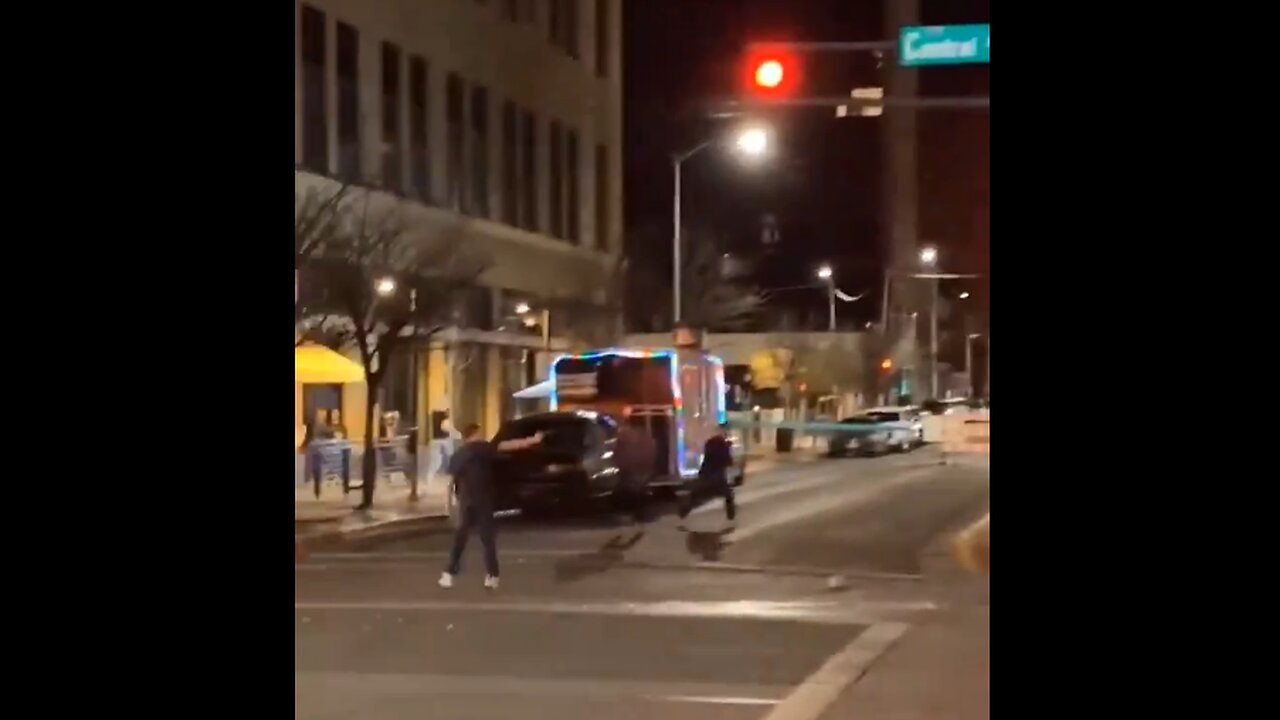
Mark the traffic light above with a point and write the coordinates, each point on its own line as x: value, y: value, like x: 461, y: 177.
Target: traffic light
x: 886, y: 364
x: 771, y: 73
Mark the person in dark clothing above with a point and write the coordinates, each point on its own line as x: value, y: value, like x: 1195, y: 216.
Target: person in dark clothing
x: 713, y: 477
x: 636, y: 454
x: 472, y: 470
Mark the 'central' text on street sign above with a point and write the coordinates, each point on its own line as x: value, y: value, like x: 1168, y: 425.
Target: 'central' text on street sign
x: 944, y: 45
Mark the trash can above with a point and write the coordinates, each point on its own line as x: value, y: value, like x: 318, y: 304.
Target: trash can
x: 786, y: 438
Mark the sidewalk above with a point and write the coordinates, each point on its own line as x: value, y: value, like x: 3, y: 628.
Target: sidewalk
x: 334, y: 514
x: 941, y: 667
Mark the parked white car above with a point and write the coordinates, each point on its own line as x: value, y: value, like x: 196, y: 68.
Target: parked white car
x: 895, y: 428
x: 904, y: 426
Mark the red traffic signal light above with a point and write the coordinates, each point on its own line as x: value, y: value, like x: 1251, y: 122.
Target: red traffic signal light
x: 770, y: 73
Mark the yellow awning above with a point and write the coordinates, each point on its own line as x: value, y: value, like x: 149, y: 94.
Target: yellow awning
x: 318, y: 364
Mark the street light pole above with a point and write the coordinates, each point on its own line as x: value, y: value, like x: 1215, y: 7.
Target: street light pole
x: 831, y: 303
x: 827, y: 274
x: 675, y: 237
x: 929, y: 260
x: 933, y: 340
x: 968, y: 361
x: 752, y: 141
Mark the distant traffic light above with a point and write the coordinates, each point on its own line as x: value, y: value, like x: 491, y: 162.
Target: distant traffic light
x: 771, y: 73
x: 886, y: 364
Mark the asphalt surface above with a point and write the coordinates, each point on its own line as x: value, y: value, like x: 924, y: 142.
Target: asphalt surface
x: 594, y: 619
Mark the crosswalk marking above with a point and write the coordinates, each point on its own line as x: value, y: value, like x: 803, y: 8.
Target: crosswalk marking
x: 813, y: 696
x: 707, y: 693
x: 831, y: 613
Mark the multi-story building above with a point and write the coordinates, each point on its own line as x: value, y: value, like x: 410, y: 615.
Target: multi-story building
x: 501, y: 118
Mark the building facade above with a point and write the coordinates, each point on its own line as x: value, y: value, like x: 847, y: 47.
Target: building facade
x: 498, y: 119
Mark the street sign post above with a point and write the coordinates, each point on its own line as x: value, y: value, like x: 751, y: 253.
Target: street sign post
x: 944, y: 45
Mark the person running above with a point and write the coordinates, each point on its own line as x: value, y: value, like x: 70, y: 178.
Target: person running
x: 713, y: 478
x: 472, y: 470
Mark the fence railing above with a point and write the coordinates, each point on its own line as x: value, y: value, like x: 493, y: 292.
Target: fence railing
x: 339, y: 460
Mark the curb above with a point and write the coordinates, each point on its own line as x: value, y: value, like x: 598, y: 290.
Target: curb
x: 795, y: 571
x: 388, y: 529
x: 972, y: 547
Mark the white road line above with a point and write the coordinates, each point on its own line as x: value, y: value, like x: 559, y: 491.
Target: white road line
x: 813, y: 696
x: 716, y: 700
x: 436, y: 555
x: 354, y: 684
x: 835, y: 501
x: 813, y: 612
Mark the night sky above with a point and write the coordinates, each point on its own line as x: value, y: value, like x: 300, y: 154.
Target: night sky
x: 822, y: 181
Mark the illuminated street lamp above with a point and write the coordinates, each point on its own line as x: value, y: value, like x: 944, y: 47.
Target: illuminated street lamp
x: 964, y: 295
x: 529, y: 318
x: 928, y: 256
x: 751, y: 141
x: 928, y: 259
x: 825, y: 273
x: 385, y: 286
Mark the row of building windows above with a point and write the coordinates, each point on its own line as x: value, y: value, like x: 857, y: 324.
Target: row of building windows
x: 563, y: 21
x: 467, y: 166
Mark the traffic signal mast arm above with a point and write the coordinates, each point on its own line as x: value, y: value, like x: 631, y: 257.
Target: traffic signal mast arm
x: 970, y: 103
x: 774, y: 68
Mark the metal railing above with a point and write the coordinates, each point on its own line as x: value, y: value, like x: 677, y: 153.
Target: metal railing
x: 334, y: 460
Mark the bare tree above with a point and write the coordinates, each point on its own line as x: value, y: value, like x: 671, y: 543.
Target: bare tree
x: 388, y: 286
x: 708, y: 299
x: 318, y: 217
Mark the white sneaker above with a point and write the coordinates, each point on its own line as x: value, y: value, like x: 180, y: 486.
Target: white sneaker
x: 491, y: 582
x: 446, y: 580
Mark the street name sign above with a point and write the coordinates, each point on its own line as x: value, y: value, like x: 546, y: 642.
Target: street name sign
x: 944, y: 45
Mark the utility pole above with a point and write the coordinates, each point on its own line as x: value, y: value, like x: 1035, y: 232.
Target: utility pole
x: 899, y: 183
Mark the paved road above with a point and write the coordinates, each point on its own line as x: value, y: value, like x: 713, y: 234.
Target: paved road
x: 774, y: 620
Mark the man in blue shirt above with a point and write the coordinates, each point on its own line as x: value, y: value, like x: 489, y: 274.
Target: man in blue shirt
x: 472, y: 470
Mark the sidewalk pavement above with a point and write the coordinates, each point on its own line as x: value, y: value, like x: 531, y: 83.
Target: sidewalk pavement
x: 335, y: 515
x: 941, y: 667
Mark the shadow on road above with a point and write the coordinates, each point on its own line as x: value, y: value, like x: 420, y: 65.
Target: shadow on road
x: 707, y: 545
x: 601, y: 560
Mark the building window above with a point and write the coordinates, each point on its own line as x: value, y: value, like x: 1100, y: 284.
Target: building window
x: 571, y: 28
x: 602, y: 197
x: 419, y: 165
x: 510, y: 167
x: 348, y: 102
x: 529, y: 172
x: 392, y: 151
x: 563, y: 26
x: 315, y: 129
x: 456, y: 131
x: 554, y: 22
x: 480, y: 151
x: 556, y: 226
x: 572, y: 210
x: 602, y: 38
